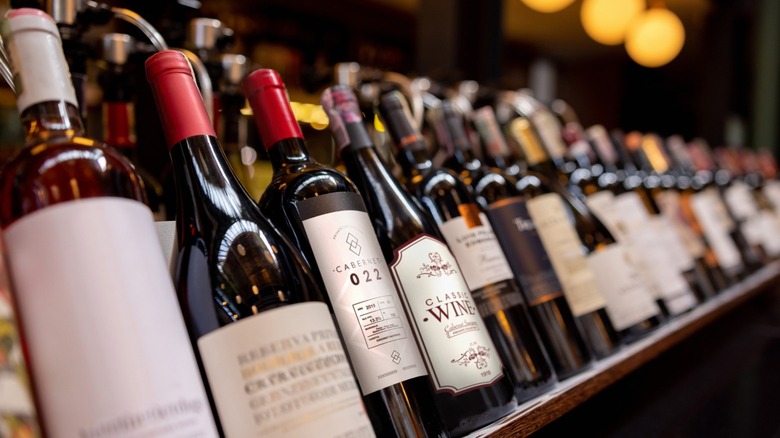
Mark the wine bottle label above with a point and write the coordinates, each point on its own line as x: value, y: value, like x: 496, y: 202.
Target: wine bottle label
x: 456, y: 344
x: 550, y: 132
x: 283, y: 373
x: 375, y: 328
x: 475, y: 247
x: 670, y: 204
x: 110, y: 352
x: 763, y: 230
x: 567, y: 254
x: 740, y: 200
x: 657, y: 255
x: 602, y: 204
x: 636, y: 219
x: 706, y: 206
x: 17, y: 413
x: 524, y: 250
x: 481, y: 260
x: 629, y: 301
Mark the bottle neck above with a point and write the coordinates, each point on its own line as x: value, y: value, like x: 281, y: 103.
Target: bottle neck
x: 288, y: 152
x: 46, y: 120
x: 207, y: 187
x: 414, y: 160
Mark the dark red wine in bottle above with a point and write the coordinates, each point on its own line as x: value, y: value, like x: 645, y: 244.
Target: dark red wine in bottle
x: 266, y: 340
x: 108, y: 350
x: 469, y: 235
x: 466, y: 371
x: 321, y: 210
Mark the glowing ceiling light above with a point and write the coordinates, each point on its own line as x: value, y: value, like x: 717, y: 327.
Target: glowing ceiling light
x: 606, y: 21
x: 655, y: 38
x: 547, y: 5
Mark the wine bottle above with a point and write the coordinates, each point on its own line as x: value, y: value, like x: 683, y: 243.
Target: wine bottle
x: 108, y: 349
x: 467, y: 374
x: 266, y: 340
x: 469, y: 235
x: 321, y: 211
x: 118, y: 121
x: 584, y: 253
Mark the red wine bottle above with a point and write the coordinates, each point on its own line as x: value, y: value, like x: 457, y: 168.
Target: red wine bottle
x: 321, y: 210
x: 466, y: 371
x: 468, y: 233
x: 253, y: 307
x: 108, y: 349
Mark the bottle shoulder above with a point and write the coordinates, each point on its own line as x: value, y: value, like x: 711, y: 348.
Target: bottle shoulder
x: 65, y: 169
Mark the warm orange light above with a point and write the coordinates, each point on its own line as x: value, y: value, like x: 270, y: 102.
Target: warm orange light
x: 547, y: 5
x: 655, y: 38
x: 606, y: 21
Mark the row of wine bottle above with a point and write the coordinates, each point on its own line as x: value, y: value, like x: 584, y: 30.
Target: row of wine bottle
x: 428, y: 303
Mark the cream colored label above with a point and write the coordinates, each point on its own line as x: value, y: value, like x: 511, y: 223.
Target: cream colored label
x: 602, y: 204
x: 456, y: 345
x: 657, y: 255
x: 477, y: 251
x: 708, y: 210
x: 283, y: 373
x: 629, y: 302
x: 376, y: 331
x: 567, y: 253
x: 670, y: 204
x: 110, y: 353
x: 550, y: 132
x: 740, y: 200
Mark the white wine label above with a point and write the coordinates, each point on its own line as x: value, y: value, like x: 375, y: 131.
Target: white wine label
x: 375, y: 328
x: 602, y: 204
x: 283, y: 373
x: 772, y: 193
x: 654, y: 256
x: 567, y: 253
x: 110, y: 352
x: 629, y: 301
x: 657, y: 232
x: 740, y: 200
x: 524, y: 250
x: 550, y: 132
x: 475, y: 247
x: 456, y: 345
x: 763, y: 230
x: 670, y: 204
x: 705, y: 207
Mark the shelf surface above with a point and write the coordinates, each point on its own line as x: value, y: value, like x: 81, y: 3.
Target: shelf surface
x: 540, y: 411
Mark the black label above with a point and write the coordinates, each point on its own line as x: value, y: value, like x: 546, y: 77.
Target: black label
x: 328, y: 203
x: 524, y: 250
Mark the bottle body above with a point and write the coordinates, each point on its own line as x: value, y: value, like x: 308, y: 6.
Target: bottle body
x: 322, y: 213
x: 266, y: 341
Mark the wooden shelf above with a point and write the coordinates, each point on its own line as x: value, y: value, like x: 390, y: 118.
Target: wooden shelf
x: 565, y: 396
